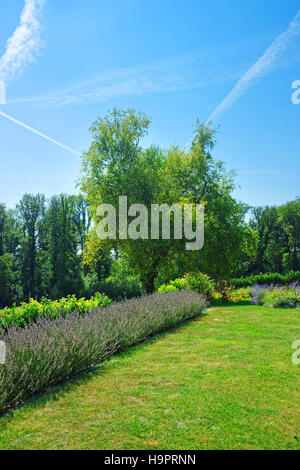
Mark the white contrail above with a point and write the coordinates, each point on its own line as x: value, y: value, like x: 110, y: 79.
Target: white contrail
x: 20, y: 47
x: 31, y: 129
x: 261, y: 67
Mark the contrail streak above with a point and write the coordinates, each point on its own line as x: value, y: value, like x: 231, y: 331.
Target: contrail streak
x: 260, y: 68
x: 31, y: 129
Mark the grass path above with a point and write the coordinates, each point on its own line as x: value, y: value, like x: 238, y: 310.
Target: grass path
x: 222, y: 381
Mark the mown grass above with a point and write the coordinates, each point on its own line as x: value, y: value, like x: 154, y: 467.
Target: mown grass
x: 223, y: 381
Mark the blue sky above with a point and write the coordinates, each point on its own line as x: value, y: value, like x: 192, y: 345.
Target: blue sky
x: 176, y: 60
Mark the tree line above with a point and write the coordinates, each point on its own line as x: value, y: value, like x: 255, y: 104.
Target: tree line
x: 41, y: 246
x: 48, y: 248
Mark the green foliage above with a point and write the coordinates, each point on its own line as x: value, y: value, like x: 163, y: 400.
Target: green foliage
x: 218, y: 299
x: 277, y: 297
x: 289, y: 217
x: 164, y: 289
x: 263, y: 279
x: 116, y: 165
x: 288, y: 300
x: 29, y: 312
x: 30, y: 209
x: 48, y: 248
x: 122, y: 282
x: 42, y: 242
x: 115, y: 288
x: 10, y: 290
x: 285, y: 297
x: 194, y: 281
x: 200, y: 282
x: 229, y: 295
x: 239, y: 295
x: 65, y: 264
x: 278, y: 231
x: 180, y: 283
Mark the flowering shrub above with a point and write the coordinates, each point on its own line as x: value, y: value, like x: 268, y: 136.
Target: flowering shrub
x: 52, y: 350
x: 31, y: 311
x: 218, y: 298
x: 258, y: 294
x: 238, y: 295
x: 230, y: 296
x: 276, y: 297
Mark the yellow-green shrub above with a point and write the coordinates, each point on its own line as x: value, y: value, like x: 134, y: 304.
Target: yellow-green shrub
x: 30, y: 311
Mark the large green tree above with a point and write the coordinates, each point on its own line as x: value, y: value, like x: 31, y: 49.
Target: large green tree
x: 116, y: 165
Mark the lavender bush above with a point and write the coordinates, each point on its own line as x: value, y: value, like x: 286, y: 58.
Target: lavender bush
x: 275, y: 296
x: 258, y: 293
x: 52, y: 350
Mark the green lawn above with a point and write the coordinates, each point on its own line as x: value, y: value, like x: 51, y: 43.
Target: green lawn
x: 223, y: 381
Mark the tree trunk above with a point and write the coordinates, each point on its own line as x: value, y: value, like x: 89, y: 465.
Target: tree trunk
x: 149, y: 285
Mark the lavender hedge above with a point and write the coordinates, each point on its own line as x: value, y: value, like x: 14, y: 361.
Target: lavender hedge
x: 50, y: 351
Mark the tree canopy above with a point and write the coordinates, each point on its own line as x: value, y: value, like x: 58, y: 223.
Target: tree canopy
x: 117, y: 165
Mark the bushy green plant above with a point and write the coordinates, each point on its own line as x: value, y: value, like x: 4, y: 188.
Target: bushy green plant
x: 283, y: 301
x: 230, y: 296
x: 180, y: 283
x: 218, y: 298
x: 277, y: 297
x: 200, y: 282
x: 122, y: 284
x: 238, y: 295
x: 167, y: 288
x: 29, y: 312
x: 122, y: 288
x: 195, y: 281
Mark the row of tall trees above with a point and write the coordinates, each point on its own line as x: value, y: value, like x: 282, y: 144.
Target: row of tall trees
x: 278, y: 233
x: 41, y: 246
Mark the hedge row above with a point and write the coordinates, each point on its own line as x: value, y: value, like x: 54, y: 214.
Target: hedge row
x: 267, y: 279
x: 50, y: 351
x: 31, y: 311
